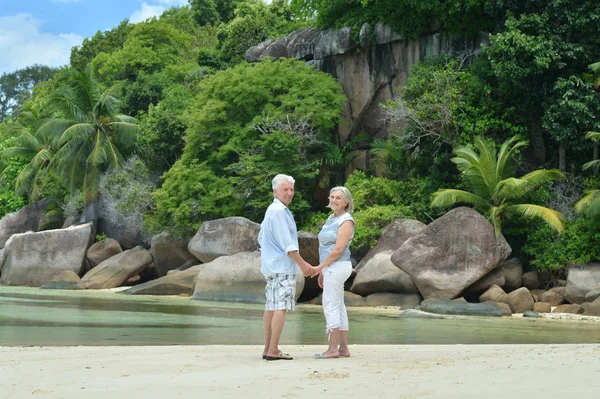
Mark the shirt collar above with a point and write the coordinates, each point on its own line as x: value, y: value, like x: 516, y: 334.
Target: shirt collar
x: 277, y: 201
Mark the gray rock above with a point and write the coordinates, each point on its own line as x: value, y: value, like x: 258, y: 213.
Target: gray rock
x: 569, y: 308
x: 554, y: 296
x: 28, y: 218
x: 494, y: 294
x: 592, y: 295
x: 513, y: 274
x: 102, y: 250
x: 495, y: 277
x: 531, y: 313
x: 542, y: 307
x: 169, y: 253
x: 519, y: 300
x: 235, y: 278
x: 222, y: 237
x: 451, y: 253
x: 173, y: 284
x: 116, y: 270
x: 32, y: 259
x: 531, y: 280
x: 581, y: 280
x: 66, y: 280
x: 447, y: 306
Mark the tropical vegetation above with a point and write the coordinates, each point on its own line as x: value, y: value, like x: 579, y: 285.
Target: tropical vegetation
x: 170, y: 105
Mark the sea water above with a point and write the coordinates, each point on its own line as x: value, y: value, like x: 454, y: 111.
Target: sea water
x: 33, y: 316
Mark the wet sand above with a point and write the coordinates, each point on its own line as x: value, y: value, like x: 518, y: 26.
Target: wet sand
x: 373, y: 371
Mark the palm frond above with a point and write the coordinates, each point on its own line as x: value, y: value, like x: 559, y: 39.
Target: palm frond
x: 589, y: 204
x: 80, y: 131
x: 591, y: 164
x: 448, y: 197
x: 512, y: 188
x: 505, y: 155
x: 550, y: 216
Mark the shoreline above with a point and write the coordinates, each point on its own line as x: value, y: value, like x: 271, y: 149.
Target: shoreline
x: 228, y: 371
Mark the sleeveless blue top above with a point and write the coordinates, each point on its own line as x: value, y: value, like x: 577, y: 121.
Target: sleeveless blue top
x: 328, y: 236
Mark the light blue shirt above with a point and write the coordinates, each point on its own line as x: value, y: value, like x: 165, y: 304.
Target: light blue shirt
x: 328, y: 236
x: 277, y: 237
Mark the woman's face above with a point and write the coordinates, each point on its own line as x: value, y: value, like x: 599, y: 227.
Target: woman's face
x: 337, y: 202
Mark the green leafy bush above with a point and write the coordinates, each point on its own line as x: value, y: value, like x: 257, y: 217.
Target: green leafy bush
x: 578, y: 244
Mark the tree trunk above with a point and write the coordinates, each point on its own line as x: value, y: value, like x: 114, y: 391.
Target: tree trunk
x: 562, y: 157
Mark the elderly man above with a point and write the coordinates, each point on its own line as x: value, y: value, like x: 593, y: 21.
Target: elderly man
x: 280, y: 259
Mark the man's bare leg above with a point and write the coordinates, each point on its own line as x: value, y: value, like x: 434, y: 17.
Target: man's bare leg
x: 277, y: 321
x: 267, y: 319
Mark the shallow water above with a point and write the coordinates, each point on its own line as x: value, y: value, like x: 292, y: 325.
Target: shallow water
x: 32, y: 316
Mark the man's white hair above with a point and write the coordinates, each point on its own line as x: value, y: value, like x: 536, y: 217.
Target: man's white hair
x: 280, y: 179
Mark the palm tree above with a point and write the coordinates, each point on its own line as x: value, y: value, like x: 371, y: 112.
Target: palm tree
x: 589, y: 204
x: 28, y: 141
x: 93, y: 134
x: 495, y: 192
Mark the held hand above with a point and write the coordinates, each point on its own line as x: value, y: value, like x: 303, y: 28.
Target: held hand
x: 320, y: 280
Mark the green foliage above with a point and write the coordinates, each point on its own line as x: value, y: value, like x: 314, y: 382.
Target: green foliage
x: 162, y: 128
x: 92, y: 135
x: 409, y: 18
x: 573, y: 110
x: 102, y: 42
x: 207, y: 12
x: 16, y: 87
x: 125, y: 194
x: 249, y: 123
x: 495, y: 192
x: 370, y: 223
x: 578, y: 244
x: 412, y: 194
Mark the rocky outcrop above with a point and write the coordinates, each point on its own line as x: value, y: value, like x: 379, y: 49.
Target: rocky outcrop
x: 32, y: 259
x: 28, y: 218
x: 114, y: 271
x: 169, y: 253
x: 376, y: 272
x: 369, y: 71
x: 388, y: 299
x: 495, y: 277
x: 222, y: 237
x: 65, y: 280
x: 581, y: 280
x: 451, y: 253
x: 235, y: 278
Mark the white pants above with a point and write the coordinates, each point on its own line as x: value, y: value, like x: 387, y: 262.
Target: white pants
x: 334, y: 309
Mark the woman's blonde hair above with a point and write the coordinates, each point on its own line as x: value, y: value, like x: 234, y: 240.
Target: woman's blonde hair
x: 346, y: 196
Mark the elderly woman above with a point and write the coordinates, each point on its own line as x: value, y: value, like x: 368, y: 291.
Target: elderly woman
x: 334, y: 269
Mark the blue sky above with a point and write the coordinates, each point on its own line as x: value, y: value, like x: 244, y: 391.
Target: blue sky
x: 44, y: 31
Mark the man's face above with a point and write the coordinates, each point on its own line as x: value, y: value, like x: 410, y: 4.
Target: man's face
x: 285, y: 192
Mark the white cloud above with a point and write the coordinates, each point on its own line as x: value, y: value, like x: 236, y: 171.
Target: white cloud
x: 154, y: 10
x: 23, y: 44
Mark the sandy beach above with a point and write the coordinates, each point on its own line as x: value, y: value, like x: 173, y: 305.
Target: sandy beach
x: 374, y: 371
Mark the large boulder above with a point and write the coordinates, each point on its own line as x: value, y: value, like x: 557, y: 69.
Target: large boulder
x: 519, y: 300
x: 376, y: 272
x: 404, y: 301
x: 222, y: 237
x: 308, y: 244
x: 495, y: 277
x: 169, y: 253
x: 554, y: 296
x: 116, y: 270
x: 175, y: 283
x: 513, y: 274
x: 367, y: 74
x: 235, y: 278
x: 28, y: 218
x: 581, y: 280
x: 451, y: 253
x: 32, y: 259
x: 102, y: 250
x: 66, y: 280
